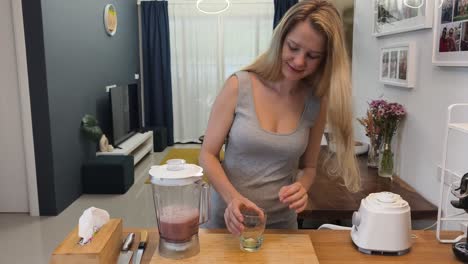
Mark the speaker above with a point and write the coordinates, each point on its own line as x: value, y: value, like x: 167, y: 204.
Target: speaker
x: 159, y: 137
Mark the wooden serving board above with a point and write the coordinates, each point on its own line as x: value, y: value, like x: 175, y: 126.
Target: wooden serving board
x: 224, y: 248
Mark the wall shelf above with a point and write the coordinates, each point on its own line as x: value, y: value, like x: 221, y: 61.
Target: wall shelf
x: 137, y: 145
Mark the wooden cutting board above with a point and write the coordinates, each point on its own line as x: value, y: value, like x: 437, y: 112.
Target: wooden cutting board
x: 224, y: 248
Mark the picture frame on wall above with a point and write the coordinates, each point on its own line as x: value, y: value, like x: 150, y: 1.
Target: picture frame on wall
x: 396, y: 16
x: 450, y: 47
x: 398, y: 65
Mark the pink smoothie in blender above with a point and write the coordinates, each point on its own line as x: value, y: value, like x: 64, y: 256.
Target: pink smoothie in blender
x: 178, y: 223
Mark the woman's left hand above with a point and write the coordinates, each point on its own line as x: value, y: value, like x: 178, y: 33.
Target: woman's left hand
x: 295, y: 195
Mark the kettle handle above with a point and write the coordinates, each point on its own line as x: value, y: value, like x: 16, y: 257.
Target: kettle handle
x: 205, y: 203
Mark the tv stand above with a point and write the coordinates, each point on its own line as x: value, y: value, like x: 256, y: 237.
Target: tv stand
x: 137, y: 145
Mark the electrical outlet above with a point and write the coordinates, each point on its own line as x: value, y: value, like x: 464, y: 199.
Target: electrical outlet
x: 450, y: 176
x: 108, y: 87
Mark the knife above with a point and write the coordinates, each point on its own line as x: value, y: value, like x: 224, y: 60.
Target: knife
x: 125, y: 253
x: 141, y: 248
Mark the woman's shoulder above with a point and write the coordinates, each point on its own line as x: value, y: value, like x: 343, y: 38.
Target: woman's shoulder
x: 314, y: 102
x: 313, y: 105
x: 311, y: 94
x: 231, y: 86
x: 244, y: 74
x: 313, y: 98
x: 245, y: 80
x: 226, y: 99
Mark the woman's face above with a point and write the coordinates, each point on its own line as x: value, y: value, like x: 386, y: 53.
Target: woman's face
x: 303, y: 50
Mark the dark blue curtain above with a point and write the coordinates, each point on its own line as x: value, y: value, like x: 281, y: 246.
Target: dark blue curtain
x: 157, y: 66
x: 281, y: 7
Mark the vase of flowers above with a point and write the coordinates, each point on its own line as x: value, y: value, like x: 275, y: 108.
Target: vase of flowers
x: 373, y: 154
x: 386, y: 164
x: 372, y: 131
x: 387, y: 118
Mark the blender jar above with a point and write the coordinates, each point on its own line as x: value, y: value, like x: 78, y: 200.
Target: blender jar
x: 181, y: 201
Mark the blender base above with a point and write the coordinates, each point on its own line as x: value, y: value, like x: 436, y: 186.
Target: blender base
x: 179, y: 250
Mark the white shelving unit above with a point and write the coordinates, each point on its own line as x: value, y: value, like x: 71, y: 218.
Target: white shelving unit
x: 443, y: 208
x: 137, y: 145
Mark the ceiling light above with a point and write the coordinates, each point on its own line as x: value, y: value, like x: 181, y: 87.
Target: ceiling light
x: 405, y: 2
x: 228, y: 4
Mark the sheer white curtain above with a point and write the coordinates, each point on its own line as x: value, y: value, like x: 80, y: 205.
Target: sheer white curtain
x: 206, y: 49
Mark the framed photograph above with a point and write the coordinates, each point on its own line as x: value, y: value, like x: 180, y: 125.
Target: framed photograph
x: 450, y: 46
x: 395, y: 16
x: 397, y: 65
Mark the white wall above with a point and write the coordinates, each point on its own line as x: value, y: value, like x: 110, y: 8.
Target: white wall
x: 436, y: 88
x: 13, y: 181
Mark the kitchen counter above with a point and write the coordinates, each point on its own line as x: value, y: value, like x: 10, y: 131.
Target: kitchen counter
x: 336, y: 247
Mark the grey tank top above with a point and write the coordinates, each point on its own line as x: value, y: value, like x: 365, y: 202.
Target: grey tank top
x: 258, y: 162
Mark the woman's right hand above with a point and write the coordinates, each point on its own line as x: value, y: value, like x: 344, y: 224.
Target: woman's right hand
x: 233, y: 216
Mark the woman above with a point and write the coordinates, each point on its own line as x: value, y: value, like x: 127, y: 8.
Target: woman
x: 274, y: 113
x: 443, y: 41
x: 451, y: 43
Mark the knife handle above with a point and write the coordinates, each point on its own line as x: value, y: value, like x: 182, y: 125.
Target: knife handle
x: 144, y: 237
x: 128, y: 241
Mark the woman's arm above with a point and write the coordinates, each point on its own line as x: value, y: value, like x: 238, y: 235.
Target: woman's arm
x: 296, y: 194
x: 219, y: 124
x: 310, y: 157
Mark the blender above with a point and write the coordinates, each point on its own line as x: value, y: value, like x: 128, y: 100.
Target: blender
x: 181, y: 201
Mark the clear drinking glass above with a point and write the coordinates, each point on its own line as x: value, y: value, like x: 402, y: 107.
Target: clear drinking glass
x: 251, y: 239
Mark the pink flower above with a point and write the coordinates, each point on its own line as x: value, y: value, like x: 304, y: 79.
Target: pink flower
x: 385, y: 117
x: 381, y: 112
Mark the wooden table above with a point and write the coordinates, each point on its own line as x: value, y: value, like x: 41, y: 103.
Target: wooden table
x: 336, y: 247
x: 329, y: 200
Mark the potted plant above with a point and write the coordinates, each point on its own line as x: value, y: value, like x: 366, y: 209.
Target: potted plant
x: 92, y: 131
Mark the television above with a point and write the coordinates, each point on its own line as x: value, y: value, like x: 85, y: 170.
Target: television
x: 124, y: 102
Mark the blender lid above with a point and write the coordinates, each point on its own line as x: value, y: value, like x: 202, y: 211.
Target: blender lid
x: 175, y: 172
x: 386, y: 201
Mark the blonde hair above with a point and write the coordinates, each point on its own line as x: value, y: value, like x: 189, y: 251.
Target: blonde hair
x: 331, y: 79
